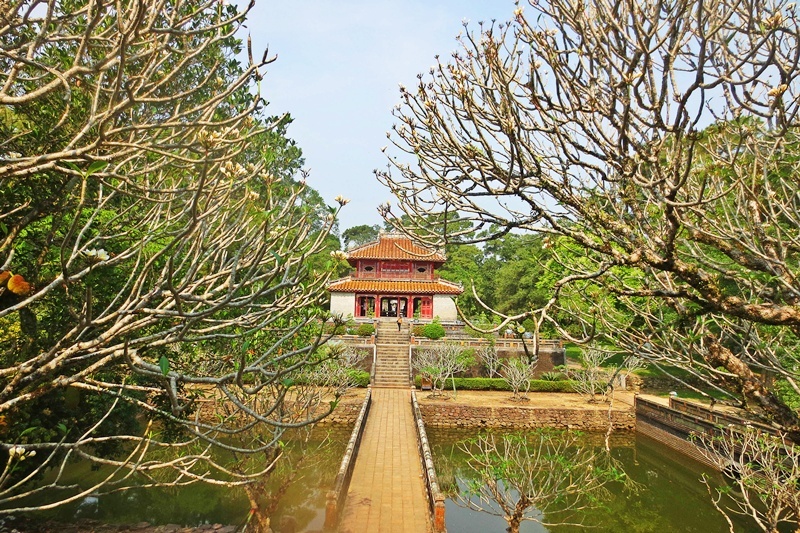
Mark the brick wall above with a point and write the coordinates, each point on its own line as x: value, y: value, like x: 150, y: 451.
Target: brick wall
x: 345, y: 413
x: 470, y: 416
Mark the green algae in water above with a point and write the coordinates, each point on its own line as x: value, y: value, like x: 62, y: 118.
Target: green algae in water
x: 670, y: 495
x: 301, y: 507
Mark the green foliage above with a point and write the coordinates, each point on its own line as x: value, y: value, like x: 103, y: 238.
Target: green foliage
x: 478, y: 335
x: 499, y: 384
x: 359, y: 378
x: 158, y: 214
x: 358, y: 235
x: 434, y: 330
x: 345, y: 328
x: 787, y: 394
x: 573, y: 352
x: 551, y: 376
x: 365, y: 330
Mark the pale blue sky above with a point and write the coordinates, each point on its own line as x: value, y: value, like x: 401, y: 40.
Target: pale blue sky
x: 338, y: 69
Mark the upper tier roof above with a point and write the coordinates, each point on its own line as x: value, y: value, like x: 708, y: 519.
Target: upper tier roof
x: 394, y: 246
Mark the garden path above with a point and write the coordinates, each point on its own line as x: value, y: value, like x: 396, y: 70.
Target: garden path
x: 387, y: 491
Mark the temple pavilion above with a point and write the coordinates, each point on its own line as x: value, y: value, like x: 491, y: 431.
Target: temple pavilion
x: 394, y: 276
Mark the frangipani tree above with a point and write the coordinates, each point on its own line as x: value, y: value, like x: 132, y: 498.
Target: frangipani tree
x: 764, y: 470
x: 545, y: 477
x: 156, y: 300
x: 654, y: 144
x: 441, y: 362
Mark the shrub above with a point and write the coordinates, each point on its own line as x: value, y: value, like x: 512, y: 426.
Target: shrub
x: 418, y: 331
x: 499, y: 384
x: 359, y: 378
x: 332, y: 329
x: 434, y: 330
x: 551, y: 376
x: 365, y: 330
x: 478, y: 335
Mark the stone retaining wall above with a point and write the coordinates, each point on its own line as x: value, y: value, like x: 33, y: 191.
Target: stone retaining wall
x: 345, y: 413
x: 678, y: 444
x: 470, y: 416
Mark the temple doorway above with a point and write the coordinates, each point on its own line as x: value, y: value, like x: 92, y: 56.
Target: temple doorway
x: 389, y: 306
x: 365, y: 306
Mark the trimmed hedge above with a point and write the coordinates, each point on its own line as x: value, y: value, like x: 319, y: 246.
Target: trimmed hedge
x: 499, y: 384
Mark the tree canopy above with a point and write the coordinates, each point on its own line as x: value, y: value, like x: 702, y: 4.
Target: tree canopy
x: 155, y: 237
x: 653, y: 145
x: 358, y: 235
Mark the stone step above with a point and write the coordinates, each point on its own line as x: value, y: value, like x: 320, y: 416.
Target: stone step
x: 383, y: 382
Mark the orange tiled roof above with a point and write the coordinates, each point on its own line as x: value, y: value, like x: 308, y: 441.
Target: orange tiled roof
x: 395, y: 247
x: 395, y: 287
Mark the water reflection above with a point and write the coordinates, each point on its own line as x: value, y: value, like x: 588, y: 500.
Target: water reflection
x: 670, y: 495
x: 295, y: 493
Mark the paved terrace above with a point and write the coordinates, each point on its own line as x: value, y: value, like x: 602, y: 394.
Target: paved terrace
x: 387, y: 491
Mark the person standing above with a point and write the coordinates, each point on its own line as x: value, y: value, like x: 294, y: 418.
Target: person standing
x: 399, y: 322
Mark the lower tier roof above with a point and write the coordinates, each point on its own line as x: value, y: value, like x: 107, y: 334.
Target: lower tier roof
x: 395, y: 286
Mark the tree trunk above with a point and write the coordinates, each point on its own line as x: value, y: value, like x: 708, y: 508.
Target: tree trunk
x: 258, y: 521
x: 754, y: 390
x: 513, y: 524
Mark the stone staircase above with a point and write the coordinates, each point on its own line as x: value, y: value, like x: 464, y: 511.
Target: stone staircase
x: 391, y: 369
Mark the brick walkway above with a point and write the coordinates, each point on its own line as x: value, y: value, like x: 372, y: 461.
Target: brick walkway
x: 387, y: 493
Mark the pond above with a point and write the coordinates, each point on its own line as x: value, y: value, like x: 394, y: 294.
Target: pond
x: 669, y: 495
x: 313, y: 465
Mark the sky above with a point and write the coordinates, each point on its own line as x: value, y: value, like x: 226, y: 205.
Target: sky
x: 339, y: 65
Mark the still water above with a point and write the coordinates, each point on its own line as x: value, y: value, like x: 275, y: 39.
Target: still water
x: 312, y: 465
x: 669, y: 495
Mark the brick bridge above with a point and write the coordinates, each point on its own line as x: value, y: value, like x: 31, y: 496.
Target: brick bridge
x: 387, y: 491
